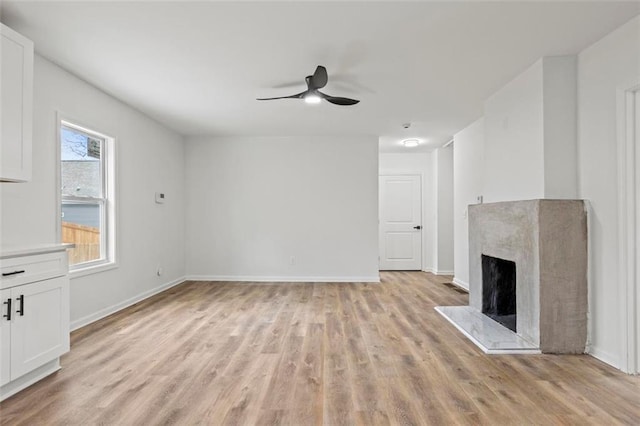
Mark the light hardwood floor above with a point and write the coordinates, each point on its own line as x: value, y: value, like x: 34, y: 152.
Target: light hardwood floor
x: 309, y: 354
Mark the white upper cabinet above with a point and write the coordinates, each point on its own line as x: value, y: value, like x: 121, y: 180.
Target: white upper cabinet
x: 16, y: 113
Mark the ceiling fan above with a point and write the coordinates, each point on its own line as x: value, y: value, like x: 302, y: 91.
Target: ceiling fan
x: 312, y: 95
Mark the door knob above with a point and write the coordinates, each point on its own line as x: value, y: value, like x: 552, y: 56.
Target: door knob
x: 417, y: 227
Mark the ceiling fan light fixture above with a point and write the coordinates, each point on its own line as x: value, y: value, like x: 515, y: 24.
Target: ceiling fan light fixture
x: 312, y: 99
x: 410, y: 143
x: 314, y: 96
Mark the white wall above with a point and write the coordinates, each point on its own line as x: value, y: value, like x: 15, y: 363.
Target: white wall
x: 530, y: 134
x: 609, y: 64
x: 444, y: 259
x: 431, y: 215
x: 560, y: 127
x: 149, y: 158
x: 254, y: 203
x: 420, y: 163
x: 514, y: 154
x: 468, y: 154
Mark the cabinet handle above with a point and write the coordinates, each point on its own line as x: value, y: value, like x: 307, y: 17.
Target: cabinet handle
x: 20, y: 310
x: 8, y: 314
x: 6, y: 274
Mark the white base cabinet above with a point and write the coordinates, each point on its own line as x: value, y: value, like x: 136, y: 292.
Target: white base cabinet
x: 34, y: 323
x: 5, y: 341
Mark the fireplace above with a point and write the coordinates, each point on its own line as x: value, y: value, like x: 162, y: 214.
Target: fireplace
x: 547, y: 240
x: 544, y: 280
x: 499, y: 290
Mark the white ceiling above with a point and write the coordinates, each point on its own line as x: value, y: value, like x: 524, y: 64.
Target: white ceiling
x: 198, y: 66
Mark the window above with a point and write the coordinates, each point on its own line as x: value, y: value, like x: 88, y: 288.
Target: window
x: 87, y: 202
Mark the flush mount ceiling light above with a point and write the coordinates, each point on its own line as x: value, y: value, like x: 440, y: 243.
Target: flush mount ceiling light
x: 410, y: 143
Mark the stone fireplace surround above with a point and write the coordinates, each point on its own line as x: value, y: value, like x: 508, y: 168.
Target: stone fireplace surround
x: 547, y: 239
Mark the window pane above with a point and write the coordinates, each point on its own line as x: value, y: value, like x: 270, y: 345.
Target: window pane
x: 80, y: 154
x: 81, y: 225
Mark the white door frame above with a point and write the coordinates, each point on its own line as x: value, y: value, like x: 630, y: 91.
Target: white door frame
x: 411, y: 172
x: 628, y: 232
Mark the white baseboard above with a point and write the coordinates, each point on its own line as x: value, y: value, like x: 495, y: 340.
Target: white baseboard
x: 86, y: 320
x: 604, y: 356
x: 460, y: 283
x: 436, y: 272
x: 280, y: 279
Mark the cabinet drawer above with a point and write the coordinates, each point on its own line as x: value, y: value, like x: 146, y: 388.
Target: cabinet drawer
x: 25, y: 269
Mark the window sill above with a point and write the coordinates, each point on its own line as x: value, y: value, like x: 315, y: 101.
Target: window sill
x: 90, y: 270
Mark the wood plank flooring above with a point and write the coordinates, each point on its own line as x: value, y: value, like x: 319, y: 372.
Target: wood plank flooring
x: 311, y: 354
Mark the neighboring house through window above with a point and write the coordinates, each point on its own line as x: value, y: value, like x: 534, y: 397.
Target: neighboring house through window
x: 87, y: 195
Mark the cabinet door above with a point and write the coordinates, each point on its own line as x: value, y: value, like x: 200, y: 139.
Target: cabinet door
x: 16, y: 92
x: 40, y: 326
x: 5, y: 338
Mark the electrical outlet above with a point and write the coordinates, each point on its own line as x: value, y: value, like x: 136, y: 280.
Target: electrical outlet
x: 292, y: 260
x: 159, y: 271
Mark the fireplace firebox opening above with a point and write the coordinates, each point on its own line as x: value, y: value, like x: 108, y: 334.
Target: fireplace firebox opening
x: 499, y: 290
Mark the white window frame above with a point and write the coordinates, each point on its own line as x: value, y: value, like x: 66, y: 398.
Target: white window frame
x: 107, y: 200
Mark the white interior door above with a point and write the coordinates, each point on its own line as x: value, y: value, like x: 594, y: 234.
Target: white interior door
x: 400, y: 223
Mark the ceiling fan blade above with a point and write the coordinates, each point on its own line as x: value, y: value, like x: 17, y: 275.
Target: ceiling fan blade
x: 341, y: 101
x: 296, y: 96
x: 338, y: 100
x: 319, y: 78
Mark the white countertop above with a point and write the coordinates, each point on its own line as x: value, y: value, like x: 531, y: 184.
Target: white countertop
x: 16, y: 251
